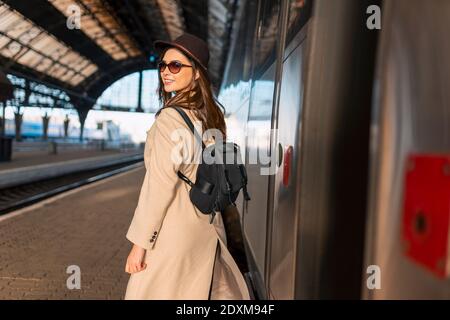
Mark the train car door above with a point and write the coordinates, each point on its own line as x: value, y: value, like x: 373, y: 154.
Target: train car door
x: 284, y: 220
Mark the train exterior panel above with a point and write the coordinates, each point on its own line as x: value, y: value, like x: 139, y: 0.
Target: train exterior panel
x: 411, y: 119
x: 336, y: 107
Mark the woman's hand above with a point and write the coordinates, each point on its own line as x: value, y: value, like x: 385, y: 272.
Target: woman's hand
x: 135, y: 261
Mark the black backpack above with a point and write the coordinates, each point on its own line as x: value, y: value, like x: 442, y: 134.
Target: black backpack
x: 218, y: 180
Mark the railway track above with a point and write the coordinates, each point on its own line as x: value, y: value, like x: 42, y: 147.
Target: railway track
x: 17, y: 197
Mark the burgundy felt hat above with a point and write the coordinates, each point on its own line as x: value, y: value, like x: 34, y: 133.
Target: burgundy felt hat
x: 189, y: 44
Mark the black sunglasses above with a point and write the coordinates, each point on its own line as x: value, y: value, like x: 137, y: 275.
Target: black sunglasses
x: 174, y: 66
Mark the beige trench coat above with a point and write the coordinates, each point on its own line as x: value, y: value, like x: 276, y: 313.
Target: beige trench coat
x: 186, y: 256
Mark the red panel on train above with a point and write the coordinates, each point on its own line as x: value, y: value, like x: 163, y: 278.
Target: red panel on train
x: 426, y: 211
x: 287, y: 165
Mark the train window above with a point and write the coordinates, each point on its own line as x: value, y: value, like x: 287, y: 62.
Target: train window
x: 241, y: 51
x: 235, y: 89
x: 299, y: 13
x: 267, y: 34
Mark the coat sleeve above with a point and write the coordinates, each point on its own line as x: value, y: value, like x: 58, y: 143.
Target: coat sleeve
x: 160, y: 182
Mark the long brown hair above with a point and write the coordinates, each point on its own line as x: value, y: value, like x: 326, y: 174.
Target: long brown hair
x: 199, y: 98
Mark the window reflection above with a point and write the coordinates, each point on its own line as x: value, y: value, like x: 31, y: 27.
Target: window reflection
x: 267, y: 34
x: 299, y: 12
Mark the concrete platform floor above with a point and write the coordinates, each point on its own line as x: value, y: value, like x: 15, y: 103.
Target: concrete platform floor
x: 85, y: 227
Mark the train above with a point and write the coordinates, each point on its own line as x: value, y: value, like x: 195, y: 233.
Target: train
x: 342, y: 108
x: 33, y: 130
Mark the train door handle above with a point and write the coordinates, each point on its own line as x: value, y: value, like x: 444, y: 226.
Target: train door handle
x: 280, y: 155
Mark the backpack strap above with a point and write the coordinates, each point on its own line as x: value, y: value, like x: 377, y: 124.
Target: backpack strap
x: 189, y: 123
x: 196, y: 135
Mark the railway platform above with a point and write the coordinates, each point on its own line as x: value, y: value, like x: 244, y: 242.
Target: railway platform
x: 84, y: 228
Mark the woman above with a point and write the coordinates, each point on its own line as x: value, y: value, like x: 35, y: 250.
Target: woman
x: 177, y: 253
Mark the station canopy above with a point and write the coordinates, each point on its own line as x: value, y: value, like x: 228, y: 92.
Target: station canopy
x: 83, y: 46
